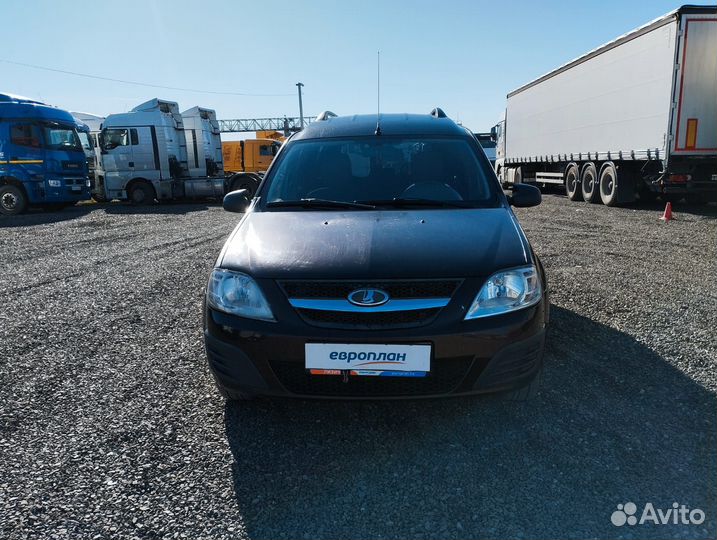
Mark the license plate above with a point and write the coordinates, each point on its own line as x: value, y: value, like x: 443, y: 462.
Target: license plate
x: 76, y: 188
x: 368, y: 360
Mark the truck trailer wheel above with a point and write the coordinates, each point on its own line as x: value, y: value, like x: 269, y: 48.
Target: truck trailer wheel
x: 141, y: 193
x: 572, y: 183
x: 589, y: 184
x: 12, y: 200
x: 609, y: 185
x: 244, y: 181
x: 518, y: 176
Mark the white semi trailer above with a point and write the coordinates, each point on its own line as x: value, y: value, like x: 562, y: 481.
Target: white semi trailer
x: 634, y: 118
x: 145, y: 154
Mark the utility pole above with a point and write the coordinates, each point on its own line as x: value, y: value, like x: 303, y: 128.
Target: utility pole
x: 301, y: 106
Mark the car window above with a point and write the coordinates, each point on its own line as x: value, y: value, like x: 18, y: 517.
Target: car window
x: 378, y: 168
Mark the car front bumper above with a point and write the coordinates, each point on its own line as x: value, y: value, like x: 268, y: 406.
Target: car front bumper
x: 485, y: 355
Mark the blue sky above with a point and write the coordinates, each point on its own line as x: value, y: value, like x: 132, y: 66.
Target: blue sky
x: 464, y: 56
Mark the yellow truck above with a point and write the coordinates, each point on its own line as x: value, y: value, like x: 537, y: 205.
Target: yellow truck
x: 246, y: 161
x: 274, y: 135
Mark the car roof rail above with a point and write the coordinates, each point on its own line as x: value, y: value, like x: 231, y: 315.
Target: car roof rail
x: 326, y: 115
x: 438, y: 113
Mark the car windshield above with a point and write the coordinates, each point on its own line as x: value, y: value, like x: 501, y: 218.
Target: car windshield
x: 381, y: 171
x: 61, y: 138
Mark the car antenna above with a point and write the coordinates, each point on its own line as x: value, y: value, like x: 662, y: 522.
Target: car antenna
x: 378, y: 93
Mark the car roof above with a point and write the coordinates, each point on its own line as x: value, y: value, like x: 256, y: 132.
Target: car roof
x: 363, y: 125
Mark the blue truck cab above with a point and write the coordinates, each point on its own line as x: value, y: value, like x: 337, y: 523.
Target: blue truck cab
x: 42, y: 161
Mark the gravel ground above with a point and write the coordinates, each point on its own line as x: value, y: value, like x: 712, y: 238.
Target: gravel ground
x: 110, y: 426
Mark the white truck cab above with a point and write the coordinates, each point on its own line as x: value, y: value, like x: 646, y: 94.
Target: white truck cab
x: 143, y: 151
x: 204, y: 143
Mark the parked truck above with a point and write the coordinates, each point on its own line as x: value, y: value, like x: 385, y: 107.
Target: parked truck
x: 91, y: 124
x: 83, y: 132
x: 246, y: 161
x: 145, y: 155
x: 487, y: 142
x: 207, y: 155
x: 42, y: 162
x: 634, y: 118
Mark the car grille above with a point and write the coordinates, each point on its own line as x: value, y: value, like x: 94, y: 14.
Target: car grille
x: 368, y: 321
x: 396, y: 289
x: 368, y: 318
x: 444, y: 378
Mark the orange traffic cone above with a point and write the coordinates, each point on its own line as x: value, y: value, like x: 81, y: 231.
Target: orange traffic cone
x: 667, y: 215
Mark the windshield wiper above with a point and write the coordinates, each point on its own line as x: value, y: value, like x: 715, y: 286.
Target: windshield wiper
x: 401, y: 202
x: 319, y: 203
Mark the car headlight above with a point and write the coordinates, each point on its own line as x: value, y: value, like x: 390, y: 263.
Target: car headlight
x: 506, y: 291
x: 54, y: 183
x: 238, y: 294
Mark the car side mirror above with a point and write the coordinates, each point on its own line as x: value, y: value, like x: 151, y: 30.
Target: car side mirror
x: 236, y: 201
x: 525, y: 195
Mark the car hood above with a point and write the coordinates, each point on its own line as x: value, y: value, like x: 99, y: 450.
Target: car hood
x: 376, y: 244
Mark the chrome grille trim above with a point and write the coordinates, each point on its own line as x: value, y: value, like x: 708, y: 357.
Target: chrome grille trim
x: 394, y: 304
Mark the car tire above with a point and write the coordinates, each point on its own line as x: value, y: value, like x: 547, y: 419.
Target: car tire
x: 589, y: 185
x: 572, y: 183
x: 12, y: 200
x: 141, y: 194
x: 527, y: 392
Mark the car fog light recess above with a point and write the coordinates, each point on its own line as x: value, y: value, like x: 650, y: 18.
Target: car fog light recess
x: 237, y: 294
x: 505, y: 291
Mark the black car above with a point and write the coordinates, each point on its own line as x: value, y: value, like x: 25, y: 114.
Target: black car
x: 379, y: 258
